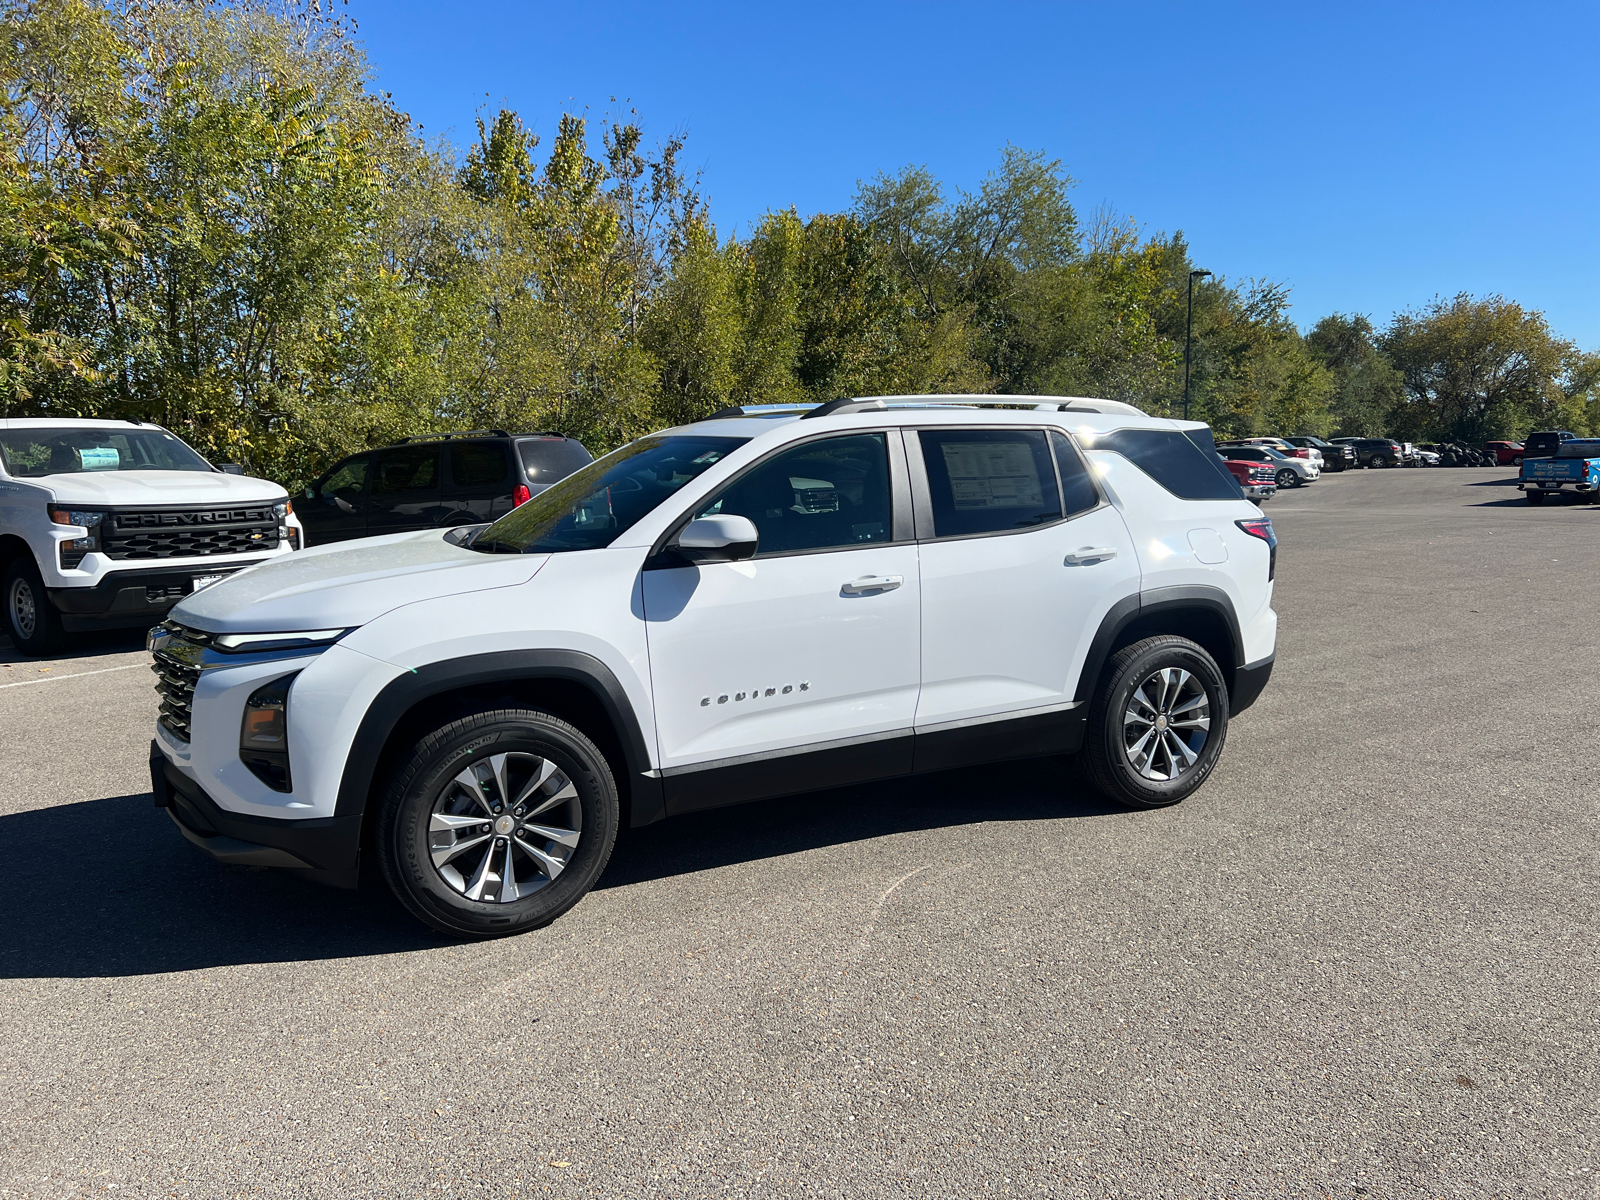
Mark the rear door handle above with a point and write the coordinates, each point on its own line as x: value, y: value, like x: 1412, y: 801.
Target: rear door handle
x: 1090, y: 554
x: 872, y: 583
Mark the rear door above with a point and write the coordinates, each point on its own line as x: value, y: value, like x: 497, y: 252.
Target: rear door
x: 405, y: 490
x: 1021, y: 556
x: 478, y: 483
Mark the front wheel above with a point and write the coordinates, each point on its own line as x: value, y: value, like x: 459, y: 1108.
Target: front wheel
x: 498, y: 823
x: 1157, y: 722
x: 31, y: 620
x: 1288, y: 479
x: 1516, y: 461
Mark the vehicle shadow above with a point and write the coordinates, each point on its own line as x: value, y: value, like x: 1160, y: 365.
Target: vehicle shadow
x: 108, y: 887
x: 81, y: 645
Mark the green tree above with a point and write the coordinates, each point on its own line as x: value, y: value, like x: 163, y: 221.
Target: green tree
x: 1367, y: 390
x: 1478, y: 369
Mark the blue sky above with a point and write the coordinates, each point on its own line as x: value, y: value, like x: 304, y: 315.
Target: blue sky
x: 1370, y: 156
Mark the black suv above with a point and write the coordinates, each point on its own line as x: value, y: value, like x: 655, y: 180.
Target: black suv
x: 1375, y: 452
x: 1334, y: 458
x: 434, y: 482
x: 1545, y: 443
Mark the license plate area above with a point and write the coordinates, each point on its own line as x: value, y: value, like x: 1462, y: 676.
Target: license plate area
x: 204, y: 581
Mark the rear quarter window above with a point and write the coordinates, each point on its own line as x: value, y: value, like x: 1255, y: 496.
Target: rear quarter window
x: 1185, y: 463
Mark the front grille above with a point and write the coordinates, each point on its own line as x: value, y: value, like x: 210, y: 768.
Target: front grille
x: 175, y: 684
x: 189, y: 532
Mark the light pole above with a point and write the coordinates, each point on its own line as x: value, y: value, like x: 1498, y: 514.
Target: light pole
x: 1188, y: 336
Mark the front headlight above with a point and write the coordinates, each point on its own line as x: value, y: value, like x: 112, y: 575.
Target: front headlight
x: 72, y: 550
x: 264, y: 734
x: 247, y: 643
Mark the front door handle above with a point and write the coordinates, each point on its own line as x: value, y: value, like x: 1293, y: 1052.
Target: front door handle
x: 872, y: 583
x: 1090, y: 554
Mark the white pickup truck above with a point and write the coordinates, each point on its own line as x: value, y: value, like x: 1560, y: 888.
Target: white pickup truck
x: 108, y: 524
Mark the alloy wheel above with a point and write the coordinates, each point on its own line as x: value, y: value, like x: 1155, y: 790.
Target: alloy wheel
x: 1286, y: 478
x: 1166, y: 724
x: 504, y: 827
x: 22, y: 608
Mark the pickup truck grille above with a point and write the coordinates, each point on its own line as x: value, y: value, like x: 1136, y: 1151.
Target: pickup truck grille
x: 189, y: 532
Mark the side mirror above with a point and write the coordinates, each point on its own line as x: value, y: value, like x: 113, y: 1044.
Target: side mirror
x: 230, y: 468
x: 717, y: 539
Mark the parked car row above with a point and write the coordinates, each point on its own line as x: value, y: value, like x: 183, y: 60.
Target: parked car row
x: 108, y: 524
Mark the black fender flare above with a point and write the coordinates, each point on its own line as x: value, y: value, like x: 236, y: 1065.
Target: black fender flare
x: 1153, y: 604
x: 387, y: 709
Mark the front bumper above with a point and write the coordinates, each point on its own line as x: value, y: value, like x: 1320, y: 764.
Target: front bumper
x: 324, y: 849
x: 131, y: 599
x: 1260, y: 491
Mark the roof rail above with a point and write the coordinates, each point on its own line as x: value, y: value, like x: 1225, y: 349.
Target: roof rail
x: 846, y: 405
x: 1085, y: 404
x: 444, y: 437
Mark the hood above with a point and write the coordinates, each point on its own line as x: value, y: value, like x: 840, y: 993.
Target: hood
x: 342, y: 586
x: 157, y: 487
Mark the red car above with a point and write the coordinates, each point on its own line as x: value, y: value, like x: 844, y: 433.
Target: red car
x: 1505, y: 453
x: 1256, y: 480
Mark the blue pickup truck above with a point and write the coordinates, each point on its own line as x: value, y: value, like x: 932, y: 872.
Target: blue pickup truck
x: 1573, y: 469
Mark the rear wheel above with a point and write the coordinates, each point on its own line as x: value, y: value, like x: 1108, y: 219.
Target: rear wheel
x: 498, y: 823
x: 1157, y: 722
x: 1377, y: 461
x: 1535, y: 496
x: 31, y: 620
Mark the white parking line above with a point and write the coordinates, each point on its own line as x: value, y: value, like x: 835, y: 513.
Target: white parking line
x: 74, y: 675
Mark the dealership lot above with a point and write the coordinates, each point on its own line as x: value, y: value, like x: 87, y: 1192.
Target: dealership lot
x: 1361, y: 960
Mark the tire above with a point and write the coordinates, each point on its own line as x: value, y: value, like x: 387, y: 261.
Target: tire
x: 1113, y: 743
x: 1288, y: 479
x: 1517, y: 461
x: 1535, y: 498
x: 30, y: 618
x: 1377, y: 461
x: 428, y: 836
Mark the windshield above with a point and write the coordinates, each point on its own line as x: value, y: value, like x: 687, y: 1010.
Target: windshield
x: 29, y: 453
x: 592, y: 507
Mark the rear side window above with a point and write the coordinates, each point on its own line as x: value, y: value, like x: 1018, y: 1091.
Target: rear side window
x: 989, y: 480
x: 1078, y: 493
x: 1185, y: 463
x: 478, y: 464
x: 545, y: 460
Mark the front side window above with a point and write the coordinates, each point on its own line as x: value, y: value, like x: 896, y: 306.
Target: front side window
x: 989, y: 480
x: 1182, y: 463
x: 824, y: 495
x: 347, y: 482
x: 30, y: 453
x: 594, y: 506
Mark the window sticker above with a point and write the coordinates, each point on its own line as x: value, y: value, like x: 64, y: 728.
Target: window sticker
x: 99, y: 458
x: 992, y: 475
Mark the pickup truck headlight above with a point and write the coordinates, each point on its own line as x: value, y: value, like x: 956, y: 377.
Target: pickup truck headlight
x: 72, y: 550
x: 264, y: 733
x: 286, y: 536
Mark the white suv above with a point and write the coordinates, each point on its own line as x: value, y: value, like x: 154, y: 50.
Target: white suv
x: 107, y: 524
x: 765, y: 602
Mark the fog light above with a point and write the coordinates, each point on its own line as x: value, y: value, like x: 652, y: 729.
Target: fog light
x: 264, y: 733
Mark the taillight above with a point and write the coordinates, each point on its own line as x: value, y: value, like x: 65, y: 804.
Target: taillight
x: 521, y: 495
x: 1261, y: 527
x: 1302, y: 453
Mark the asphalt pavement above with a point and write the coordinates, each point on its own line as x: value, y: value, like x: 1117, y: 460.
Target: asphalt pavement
x: 1361, y: 961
